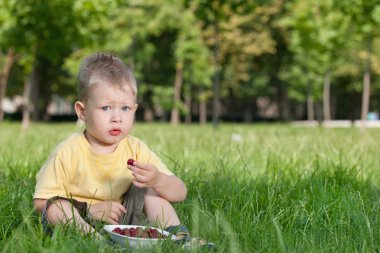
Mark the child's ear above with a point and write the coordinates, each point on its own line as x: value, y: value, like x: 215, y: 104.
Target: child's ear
x: 79, y: 109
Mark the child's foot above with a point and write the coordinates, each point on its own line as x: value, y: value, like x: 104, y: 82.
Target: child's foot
x: 181, y: 233
x: 183, y: 238
x: 199, y: 243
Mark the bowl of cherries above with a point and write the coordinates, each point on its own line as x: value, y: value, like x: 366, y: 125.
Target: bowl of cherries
x: 133, y: 235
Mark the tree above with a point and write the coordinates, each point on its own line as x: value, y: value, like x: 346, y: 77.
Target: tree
x: 144, y: 33
x: 249, y: 43
x: 364, y: 15
x: 190, y: 53
x: 46, y: 32
x: 6, y: 23
x: 212, y: 13
x: 318, y: 32
x: 10, y: 58
x: 236, y: 34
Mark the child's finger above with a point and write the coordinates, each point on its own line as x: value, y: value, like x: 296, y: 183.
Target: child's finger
x: 114, y: 216
x: 139, y: 177
x: 121, y: 209
x: 138, y: 172
x: 140, y: 165
x: 138, y: 184
x: 112, y: 221
x: 116, y: 211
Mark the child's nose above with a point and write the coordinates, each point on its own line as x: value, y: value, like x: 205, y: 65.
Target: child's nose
x: 116, y: 116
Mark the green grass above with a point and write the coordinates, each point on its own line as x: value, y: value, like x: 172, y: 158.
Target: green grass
x: 281, y: 189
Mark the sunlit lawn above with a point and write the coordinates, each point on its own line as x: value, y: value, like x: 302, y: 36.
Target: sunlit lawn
x: 252, y: 188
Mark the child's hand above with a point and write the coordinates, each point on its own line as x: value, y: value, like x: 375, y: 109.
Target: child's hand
x: 108, y: 211
x: 145, y: 175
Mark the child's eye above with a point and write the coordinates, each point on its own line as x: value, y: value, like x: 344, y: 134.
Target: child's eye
x: 125, y: 108
x: 106, y: 108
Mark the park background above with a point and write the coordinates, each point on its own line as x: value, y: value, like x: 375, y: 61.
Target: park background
x: 197, y: 61
x: 265, y: 185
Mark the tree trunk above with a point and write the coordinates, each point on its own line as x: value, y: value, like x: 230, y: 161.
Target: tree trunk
x: 216, y: 81
x: 282, y: 99
x: 366, y: 83
x: 202, y: 108
x: 148, y: 114
x: 216, y: 100
x: 188, y: 106
x: 174, y: 119
x: 146, y: 105
x: 247, y: 116
x: 4, y: 79
x: 326, y: 96
x: 250, y: 108
x: 35, y: 91
x: 366, y: 94
x: 310, y: 102
x: 202, y: 112
x: 26, y: 103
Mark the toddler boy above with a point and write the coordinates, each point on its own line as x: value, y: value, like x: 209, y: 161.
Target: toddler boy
x: 87, y: 177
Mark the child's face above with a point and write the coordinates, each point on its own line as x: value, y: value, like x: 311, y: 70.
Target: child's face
x: 108, y: 113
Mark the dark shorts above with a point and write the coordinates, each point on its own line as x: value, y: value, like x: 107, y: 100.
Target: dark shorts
x: 133, y: 203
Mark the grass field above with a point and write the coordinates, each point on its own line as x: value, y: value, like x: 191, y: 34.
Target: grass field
x: 277, y: 189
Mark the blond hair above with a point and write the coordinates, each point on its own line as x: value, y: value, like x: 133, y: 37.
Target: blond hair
x: 104, y: 67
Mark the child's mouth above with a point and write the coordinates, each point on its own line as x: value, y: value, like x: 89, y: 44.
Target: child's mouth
x: 115, y: 132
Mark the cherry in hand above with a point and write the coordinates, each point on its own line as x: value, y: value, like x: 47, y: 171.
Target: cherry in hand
x: 130, y: 162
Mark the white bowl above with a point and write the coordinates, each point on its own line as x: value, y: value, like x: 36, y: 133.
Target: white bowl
x: 134, y: 241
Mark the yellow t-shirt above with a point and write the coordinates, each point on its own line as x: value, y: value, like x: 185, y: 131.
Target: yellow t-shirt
x: 75, y: 171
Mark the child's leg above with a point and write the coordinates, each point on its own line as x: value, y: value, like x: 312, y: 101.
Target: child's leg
x: 159, y: 211
x: 62, y: 211
x: 134, y: 204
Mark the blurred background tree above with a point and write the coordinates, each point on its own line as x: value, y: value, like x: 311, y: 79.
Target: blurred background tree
x: 198, y: 60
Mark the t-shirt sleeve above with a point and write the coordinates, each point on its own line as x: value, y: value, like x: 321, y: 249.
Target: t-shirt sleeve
x: 51, y: 179
x: 145, y: 155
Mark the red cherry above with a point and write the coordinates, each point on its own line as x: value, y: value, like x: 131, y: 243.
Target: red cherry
x: 130, y: 162
x: 117, y: 230
x: 153, y: 233
x: 133, y: 232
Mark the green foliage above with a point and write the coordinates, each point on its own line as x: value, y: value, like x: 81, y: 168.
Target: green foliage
x: 238, y: 34
x: 162, y: 97
x: 318, y: 35
x: 44, y: 27
x: 44, y: 33
x: 268, y: 48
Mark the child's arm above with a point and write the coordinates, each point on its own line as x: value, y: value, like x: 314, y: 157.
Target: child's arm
x: 108, y: 211
x: 39, y: 204
x: 169, y: 187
